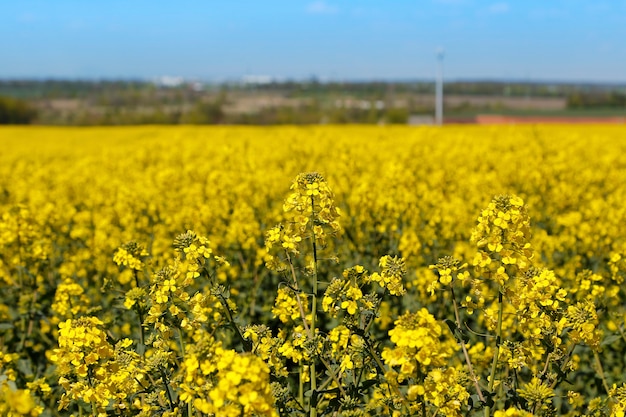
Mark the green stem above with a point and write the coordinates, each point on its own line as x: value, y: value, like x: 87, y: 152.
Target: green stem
x: 167, y: 388
x: 140, y: 314
x: 313, y: 410
x: 358, y: 379
x: 374, y: 356
x: 136, y: 278
x: 373, y: 316
x: 334, y: 376
x: 28, y: 329
x: 621, y: 332
x: 547, y: 364
x: 23, y: 337
x: 247, y: 345
x: 465, y: 353
x: 381, y: 367
x: 420, y: 378
x: 299, y: 301
x: 181, y: 343
x: 601, y: 371
x: 494, y: 363
x: 20, y: 256
x: 563, y: 366
x: 301, y: 385
x: 141, y: 332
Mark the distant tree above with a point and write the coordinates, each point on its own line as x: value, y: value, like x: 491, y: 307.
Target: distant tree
x: 16, y: 112
x: 397, y: 115
x: 575, y: 101
x: 617, y: 99
x: 207, y: 112
x: 612, y: 99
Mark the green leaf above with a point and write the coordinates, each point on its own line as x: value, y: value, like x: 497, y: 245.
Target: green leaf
x: 6, y: 326
x: 609, y: 340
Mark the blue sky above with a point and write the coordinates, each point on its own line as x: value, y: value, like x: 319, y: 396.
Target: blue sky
x: 569, y: 40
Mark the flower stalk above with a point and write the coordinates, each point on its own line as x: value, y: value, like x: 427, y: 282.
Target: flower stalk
x: 494, y: 363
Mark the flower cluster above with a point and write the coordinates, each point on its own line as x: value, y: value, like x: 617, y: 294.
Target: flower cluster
x: 448, y: 269
x: 583, y: 320
x: 173, y: 296
x: 346, y: 293
x: 538, y: 299
x: 218, y: 381
x: 420, y: 340
x: 444, y: 389
x: 131, y: 255
x: 312, y: 200
x: 391, y: 275
x: 347, y: 349
x: 503, y: 238
x: 17, y: 402
x: 91, y: 369
x: 310, y: 214
x: 267, y: 348
x: 618, y: 398
x: 69, y: 300
x: 422, y: 347
x: 289, y: 306
x: 537, y: 393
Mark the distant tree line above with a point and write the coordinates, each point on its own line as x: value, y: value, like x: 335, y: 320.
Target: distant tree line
x: 33, y: 89
x: 126, y: 102
x: 588, y: 100
x: 469, y: 88
x: 16, y: 112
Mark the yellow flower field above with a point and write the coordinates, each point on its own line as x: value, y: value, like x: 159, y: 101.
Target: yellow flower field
x: 345, y: 271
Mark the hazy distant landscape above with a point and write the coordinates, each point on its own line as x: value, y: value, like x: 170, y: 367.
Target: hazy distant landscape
x: 125, y: 102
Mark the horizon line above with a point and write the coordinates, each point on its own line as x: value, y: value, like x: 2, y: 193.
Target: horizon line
x: 267, y: 80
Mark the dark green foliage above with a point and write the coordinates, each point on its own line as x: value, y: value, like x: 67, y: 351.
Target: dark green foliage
x: 16, y: 112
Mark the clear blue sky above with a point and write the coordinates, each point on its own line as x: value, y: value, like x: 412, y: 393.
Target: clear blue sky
x: 570, y: 40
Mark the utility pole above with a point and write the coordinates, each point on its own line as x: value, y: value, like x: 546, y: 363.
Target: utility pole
x: 439, y: 89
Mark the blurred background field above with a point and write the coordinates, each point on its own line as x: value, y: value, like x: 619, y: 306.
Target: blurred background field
x: 304, y: 102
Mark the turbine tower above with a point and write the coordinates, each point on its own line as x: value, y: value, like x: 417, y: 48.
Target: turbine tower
x: 439, y: 88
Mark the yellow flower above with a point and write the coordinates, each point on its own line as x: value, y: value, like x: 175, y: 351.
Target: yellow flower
x: 350, y: 306
x: 536, y: 392
x: 512, y: 412
x: 286, y: 306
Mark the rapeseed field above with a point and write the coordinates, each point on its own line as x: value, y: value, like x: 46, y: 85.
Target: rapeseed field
x: 313, y: 271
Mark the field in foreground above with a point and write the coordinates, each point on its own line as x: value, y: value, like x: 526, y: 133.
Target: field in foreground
x: 407, y: 271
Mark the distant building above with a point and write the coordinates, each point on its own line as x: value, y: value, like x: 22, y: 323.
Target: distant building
x: 257, y: 79
x: 169, y: 81
x: 420, y: 119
